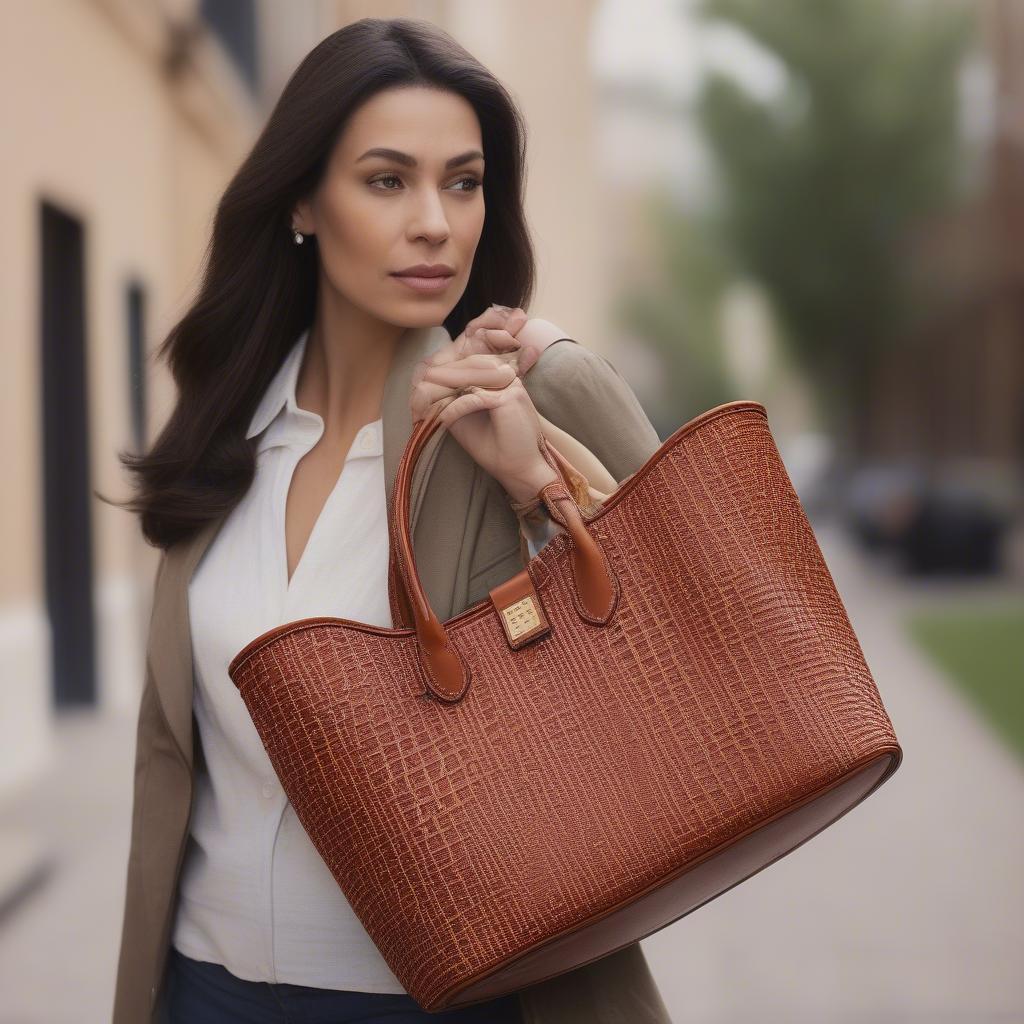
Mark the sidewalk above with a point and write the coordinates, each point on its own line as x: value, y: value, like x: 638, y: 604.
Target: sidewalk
x: 908, y: 910
x: 59, y: 942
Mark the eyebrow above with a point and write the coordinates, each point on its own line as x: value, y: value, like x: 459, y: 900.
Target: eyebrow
x: 410, y: 161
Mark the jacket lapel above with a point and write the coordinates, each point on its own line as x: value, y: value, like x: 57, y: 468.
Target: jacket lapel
x: 397, y: 416
x: 170, y: 643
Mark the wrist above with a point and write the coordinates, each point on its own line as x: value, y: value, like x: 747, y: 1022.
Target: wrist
x: 524, y: 488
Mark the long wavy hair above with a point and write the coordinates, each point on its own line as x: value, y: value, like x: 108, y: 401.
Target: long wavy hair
x: 258, y: 293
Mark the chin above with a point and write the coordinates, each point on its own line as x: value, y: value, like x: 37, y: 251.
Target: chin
x: 403, y: 323
x: 427, y: 315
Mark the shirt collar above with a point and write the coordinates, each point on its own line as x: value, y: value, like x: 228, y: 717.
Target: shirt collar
x: 281, y: 389
x: 280, y: 421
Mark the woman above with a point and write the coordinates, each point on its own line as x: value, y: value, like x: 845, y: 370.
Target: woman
x: 315, y: 342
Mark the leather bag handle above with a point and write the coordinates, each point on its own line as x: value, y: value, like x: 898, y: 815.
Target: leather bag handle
x: 446, y: 671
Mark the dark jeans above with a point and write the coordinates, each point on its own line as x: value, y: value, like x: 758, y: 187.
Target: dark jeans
x: 204, y: 993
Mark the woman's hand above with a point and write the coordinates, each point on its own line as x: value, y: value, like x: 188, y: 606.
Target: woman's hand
x: 492, y: 332
x: 488, y: 410
x: 507, y: 330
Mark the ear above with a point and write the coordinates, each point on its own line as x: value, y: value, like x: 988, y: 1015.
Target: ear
x: 302, y: 217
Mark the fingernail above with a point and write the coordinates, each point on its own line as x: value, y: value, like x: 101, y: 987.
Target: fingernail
x: 504, y: 309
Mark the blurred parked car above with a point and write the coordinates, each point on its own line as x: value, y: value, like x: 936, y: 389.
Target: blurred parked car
x: 950, y: 518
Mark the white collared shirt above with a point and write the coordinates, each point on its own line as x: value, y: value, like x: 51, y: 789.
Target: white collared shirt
x: 255, y: 895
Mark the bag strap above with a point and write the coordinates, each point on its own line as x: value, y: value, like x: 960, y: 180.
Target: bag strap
x: 445, y: 670
x: 575, y: 482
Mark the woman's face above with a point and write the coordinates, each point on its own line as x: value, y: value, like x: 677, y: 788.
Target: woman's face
x: 377, y: 213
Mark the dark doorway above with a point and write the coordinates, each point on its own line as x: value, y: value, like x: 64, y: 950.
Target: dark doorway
x: 67, y: 553
x: 137, y: 395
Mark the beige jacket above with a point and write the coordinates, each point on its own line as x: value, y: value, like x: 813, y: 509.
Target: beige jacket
x: 466, y: 541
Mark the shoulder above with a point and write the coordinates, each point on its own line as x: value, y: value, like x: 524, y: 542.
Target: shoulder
x: 568, y: 377
x: 582, y: 392
x: 555, y: 356
x: 569, y: 360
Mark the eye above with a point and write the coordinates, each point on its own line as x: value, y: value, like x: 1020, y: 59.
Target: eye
x: 385, y: 177
x: 472, y: 183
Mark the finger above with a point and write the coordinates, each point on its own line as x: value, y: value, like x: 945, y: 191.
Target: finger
x: 481, y: 340
x: 423, y: 396
x: 508, y: 318
x: 480, y: 369
x: 497, y: 339
x: 528, y: 357
x: 453, y: 353
x: 515, y: 320
x: 490, y: 317
x: 484, y: 339
x: 423, y: 411
x: 503, y: 343
x: 474, y: 399
x: 432, y: 383
x: 471, y: 361
x: 458, y: 348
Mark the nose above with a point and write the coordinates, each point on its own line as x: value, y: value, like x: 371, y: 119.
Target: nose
x: 428, y: 220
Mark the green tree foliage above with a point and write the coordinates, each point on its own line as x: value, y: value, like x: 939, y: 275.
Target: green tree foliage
x: 819, y: 184
x: 676, y: 312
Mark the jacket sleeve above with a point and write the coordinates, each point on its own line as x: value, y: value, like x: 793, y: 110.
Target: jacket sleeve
x: 583, y: 393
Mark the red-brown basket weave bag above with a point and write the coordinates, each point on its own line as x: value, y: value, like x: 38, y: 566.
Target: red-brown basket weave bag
x: 666, y: 700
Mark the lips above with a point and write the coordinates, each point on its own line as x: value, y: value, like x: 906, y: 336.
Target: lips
x: 428, y: 280
x: 426, y: 270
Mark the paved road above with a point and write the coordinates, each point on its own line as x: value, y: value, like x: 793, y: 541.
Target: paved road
x: 909, y: 909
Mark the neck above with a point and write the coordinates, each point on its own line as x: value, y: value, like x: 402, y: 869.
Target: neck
x: 345, y: 367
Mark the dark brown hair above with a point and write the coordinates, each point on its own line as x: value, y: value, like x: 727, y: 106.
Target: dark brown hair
x: 258, y: 290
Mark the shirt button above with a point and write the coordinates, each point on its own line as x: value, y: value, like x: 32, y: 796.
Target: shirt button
x: 268, y: 789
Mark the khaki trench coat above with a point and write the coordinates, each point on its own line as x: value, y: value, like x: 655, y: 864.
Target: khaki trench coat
x: 466, y: 541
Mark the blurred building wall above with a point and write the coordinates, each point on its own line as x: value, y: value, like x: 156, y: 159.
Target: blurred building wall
x: 113, y: 155
x: 956, y: 390
x: 123, y: 121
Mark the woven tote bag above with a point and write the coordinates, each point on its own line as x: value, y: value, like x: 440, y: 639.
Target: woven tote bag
x: 668, y: 698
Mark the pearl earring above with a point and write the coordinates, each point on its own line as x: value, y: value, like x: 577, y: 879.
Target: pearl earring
x: 299, y: 238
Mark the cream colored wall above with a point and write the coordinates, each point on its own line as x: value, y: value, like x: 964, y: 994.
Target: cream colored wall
x: 91, y: 122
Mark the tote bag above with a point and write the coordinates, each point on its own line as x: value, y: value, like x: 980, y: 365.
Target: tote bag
x: 668, y: 698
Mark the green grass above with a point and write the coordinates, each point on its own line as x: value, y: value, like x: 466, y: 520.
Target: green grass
x: 982, y: 650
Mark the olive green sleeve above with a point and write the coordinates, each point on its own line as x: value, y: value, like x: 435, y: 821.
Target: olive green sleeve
x: 582, y: 392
